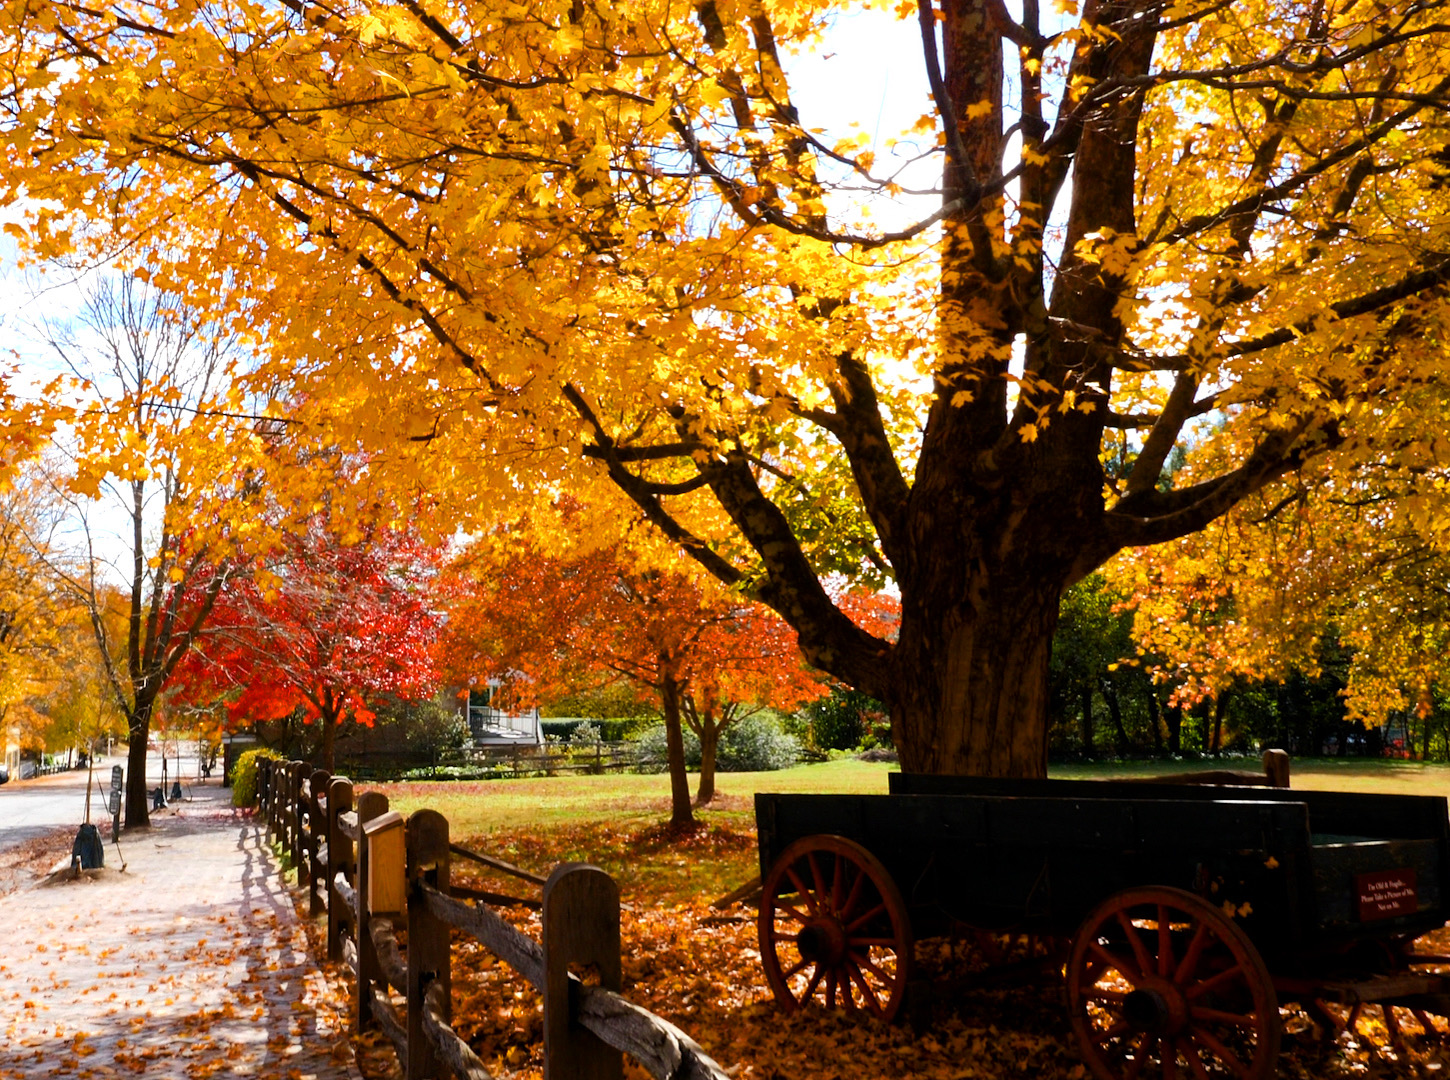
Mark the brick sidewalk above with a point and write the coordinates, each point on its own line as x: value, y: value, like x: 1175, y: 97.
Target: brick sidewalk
x: 189, y: 964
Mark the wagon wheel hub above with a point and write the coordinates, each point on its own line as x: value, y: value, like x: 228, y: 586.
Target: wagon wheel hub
x: 1160, y: 1010
x: 822, y: 940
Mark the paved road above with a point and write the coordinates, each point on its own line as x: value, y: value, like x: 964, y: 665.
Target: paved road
x: 31, y: 808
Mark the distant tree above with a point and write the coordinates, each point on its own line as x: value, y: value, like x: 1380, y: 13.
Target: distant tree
x: 324, y: 626
x: 559, y: 624
x: 146, y: 389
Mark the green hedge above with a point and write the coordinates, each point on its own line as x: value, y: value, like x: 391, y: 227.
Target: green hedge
x: 244, y: 775
x: 617, y: 729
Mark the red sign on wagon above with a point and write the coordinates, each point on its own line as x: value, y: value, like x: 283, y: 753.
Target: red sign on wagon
x: 1385, y: 894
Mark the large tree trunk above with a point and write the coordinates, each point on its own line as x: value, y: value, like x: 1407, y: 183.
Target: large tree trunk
x: 138, y: 796
x: 970, y: 697
x: 681, y: 816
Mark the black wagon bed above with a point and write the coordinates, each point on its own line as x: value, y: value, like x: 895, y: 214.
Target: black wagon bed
x: 1302, y: 872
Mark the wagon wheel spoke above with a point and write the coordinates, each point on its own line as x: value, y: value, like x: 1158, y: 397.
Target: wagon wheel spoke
x: 1218, y: 1016
x: 1195, y: 1063
x: 838, y: 873
x: 795, y: 913
x: 854, y: 897
x: 1215, y: 1047
x: 1165, y: 942
x: 1189, y: 964
x: 822, y: 897
x: 1168, y: 1057
x: 1111, y: 960
x: 843, y: 983
x: 866, y: 963
x: 1213, y: 983
x: 1135, y: 1063
x: 796, y: 968
x: 830, y: 988
x: 815, y: 981
x: 801, y: 890
x: 1140, y: 951
x: 1122, y: 1027
x: 873, y: 1003
x: 862, y: 920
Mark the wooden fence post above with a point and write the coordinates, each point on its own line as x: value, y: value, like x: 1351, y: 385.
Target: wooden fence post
x: 370, y: 804
x: 299, y: 820
x: 317, y: 835
x: 274, y: 786
x: 262, y: 774
x: 340, y: 856
x: 264, y: 793
x: 428, y: 959
x: 580, y: 926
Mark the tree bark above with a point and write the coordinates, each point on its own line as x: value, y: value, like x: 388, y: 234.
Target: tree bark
x: 969, y: 693
x: 709, y: 744
x: 1115, y: 711
x: 1220, y: 709
x: 138, y: 796
x: 1087, y: 718
x: 329, y: 717
x: 681, y: 815
x: 1155, y: 720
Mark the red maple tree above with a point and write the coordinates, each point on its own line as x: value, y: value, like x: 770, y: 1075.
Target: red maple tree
x: 551, y: 626
x: 325, y: 628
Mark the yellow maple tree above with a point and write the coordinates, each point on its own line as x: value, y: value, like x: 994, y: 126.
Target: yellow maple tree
x: 516, y: 247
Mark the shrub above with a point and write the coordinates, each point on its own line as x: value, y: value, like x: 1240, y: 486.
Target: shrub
x: 754, y: 744
x: 583, y: 736
x: 653, y: 750
x: 845, y: 719
x: 244, y: 775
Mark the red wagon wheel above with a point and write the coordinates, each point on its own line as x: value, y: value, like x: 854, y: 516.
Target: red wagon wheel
x: 1160, y: 983
x: 834, y: 929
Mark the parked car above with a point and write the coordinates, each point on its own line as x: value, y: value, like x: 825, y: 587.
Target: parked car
x: 4, y: 774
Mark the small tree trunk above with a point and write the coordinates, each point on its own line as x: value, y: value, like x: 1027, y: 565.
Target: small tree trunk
x: 1155, y: 720
x: 1087, y: 718
x: 1220, y: 708
x: 709, y: 743
x: 1115, y: 711
x: 681, y: 816
x: 329, y: 719
x: 1174, y: 715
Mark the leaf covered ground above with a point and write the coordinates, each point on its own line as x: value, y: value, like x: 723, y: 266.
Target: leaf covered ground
x: 700, y: 969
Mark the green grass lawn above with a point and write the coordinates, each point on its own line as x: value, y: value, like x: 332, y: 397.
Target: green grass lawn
x: 616, y: 821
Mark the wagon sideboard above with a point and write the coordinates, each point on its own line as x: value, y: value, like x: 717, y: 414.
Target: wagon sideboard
x: 1299, y: 871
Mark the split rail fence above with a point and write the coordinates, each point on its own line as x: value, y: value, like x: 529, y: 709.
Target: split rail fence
x: 372, y: 872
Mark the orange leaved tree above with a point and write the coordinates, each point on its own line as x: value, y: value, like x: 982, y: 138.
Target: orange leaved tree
x: 324, y: 627
x: 551, y: 625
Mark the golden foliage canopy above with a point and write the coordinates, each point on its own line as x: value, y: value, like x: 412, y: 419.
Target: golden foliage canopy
x: 521, y: 245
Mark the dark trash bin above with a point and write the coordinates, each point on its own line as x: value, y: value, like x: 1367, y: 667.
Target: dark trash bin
x: 88, y: 848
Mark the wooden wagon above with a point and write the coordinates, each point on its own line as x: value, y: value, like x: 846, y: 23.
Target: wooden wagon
x: 1192, y: 912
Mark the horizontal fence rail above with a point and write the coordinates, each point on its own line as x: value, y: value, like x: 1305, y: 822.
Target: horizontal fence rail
x: 350, y: 853
x: 502, y: 762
